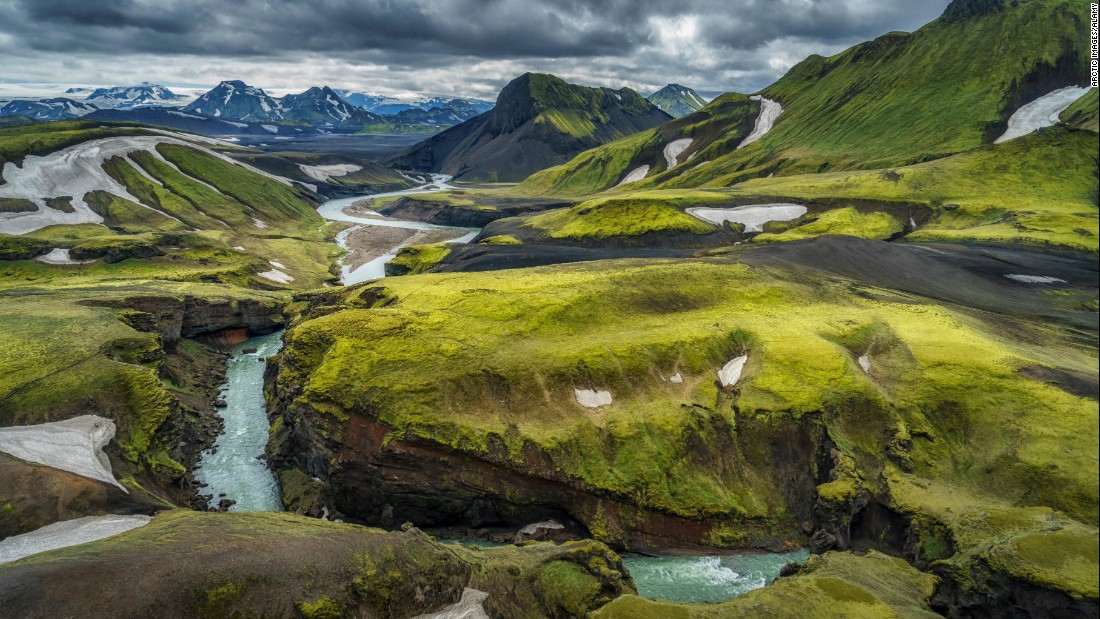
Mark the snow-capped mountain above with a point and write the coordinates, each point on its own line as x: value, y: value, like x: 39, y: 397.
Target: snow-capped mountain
x: 321, y: 106
x: 237, y: 100
x: 676, y: 100
x: 394, y: 104
x: 58, y: 108
x: 134, y: 96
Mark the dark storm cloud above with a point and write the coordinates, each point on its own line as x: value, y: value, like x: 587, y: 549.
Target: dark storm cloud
x: 712, y: 44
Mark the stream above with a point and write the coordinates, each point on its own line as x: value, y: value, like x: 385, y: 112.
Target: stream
x: 697, y: 579
x: 235, y: 466
x: 333, y: 210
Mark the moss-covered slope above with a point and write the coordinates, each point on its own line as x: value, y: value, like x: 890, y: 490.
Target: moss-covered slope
x: 897, y: 100
x: 186, y: 214
x: 187, y: 564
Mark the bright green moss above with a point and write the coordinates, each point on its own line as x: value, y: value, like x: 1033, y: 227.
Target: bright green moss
x: 418, y: 258
x: 1037, y: 189
x: 501, y: 239
x: 323, y: 608
x: 876, y: 225
x: 1085, y: 112
x: 625, y: 216
x: 567, y: 589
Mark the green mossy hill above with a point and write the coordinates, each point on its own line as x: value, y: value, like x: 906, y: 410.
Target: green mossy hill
x: 830, y: 585
x: 714, y: 131
x: 848, y: 220
x: 189, y: 564
x: 539, y: 121
x: 101, y: 349
x: 897, y: 100
x: 626, y: 216
x: 1085, y: 112
x: 943, y: 397
x: 984, y: 548
x: 417, y: 259
x: 1040, y: 189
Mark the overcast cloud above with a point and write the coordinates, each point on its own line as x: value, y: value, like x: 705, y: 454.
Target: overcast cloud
x: 451, y: 47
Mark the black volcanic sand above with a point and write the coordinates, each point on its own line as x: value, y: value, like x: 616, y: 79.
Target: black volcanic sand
x: 970, y: 276
x: 465, y: 258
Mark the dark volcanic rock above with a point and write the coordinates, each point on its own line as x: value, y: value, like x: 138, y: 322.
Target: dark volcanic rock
x: 538, y: 121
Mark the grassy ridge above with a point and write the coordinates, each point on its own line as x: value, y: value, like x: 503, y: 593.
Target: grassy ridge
x: 1085, y: 112
x: 1038, y: 189
x: 714, y: 130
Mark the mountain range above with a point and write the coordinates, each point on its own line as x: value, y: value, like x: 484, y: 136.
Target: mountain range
x: 235, y: 107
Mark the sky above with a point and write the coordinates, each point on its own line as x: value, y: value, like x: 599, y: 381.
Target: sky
x: 448, y: 47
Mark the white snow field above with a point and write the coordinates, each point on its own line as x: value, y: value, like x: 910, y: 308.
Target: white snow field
x: 77, y: 170
x: 753, y: 216
x: 324, y: 172
x: 731, y: 372
x: 590, y: 398
x: 1042, y: 112
x: 636, y: 174
x: 769, y: 111
x: 674, y: 149
x: 74, y: 445
x: 67, y: 533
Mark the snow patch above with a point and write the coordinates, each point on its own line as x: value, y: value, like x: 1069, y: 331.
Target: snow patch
x: 59, y: 255
x: 865, y: 364
x: 185, y: 115
x: 276, y: 276
x: 731, y: 372
x: 676, y: 379
x: 1042, y: 112
x: 270, y: 128
x: 753, y: 216
x: 1035, y: 279
x: 636, y: 174
x: 590, y: 398
x: 74, y: 445
x: 470, y: 606
x: 259, y: 223
x: 67, y: 533
x: 769, y: 111
x: 276, y: 264
x: 324, y: 172
x: 674, y: 149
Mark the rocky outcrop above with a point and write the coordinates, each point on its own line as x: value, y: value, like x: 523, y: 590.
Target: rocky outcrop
x: 190, y: 564
x: 196, y: 317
